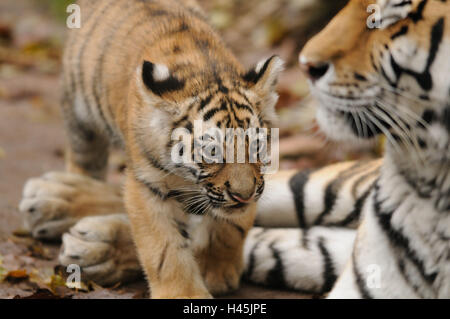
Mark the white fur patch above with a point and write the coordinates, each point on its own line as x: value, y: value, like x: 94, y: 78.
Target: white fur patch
x: 160, y: 72
x: 276, y: 207
x: 302, y: 59
x: 260, y: 65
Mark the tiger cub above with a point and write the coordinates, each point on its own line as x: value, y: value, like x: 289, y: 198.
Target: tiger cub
x: 134, y: 72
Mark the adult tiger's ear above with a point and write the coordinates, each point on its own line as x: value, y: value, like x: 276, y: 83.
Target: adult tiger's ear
x: 263, y: 80
x: 264, y: 76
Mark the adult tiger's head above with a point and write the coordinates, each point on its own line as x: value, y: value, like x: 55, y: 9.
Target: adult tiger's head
x: 382, y: 66
x: 217, y: 97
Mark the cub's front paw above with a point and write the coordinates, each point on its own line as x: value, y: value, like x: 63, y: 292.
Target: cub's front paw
x: 53, y: 203
x: 103, y: 247
x: 222, y: 278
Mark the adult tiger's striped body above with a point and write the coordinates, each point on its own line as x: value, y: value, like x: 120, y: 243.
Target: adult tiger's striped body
x: 133, y: 73
x: 392, y: 80
x: 327, y: 205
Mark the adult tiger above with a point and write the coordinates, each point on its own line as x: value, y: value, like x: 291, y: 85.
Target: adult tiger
x: 391, y: 79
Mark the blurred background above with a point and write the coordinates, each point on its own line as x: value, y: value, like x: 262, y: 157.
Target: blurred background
x: 32, y: 138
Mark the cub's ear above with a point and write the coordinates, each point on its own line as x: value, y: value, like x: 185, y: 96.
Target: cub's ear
x: 265, y: 75
x: 263, y: 79
x: 157, y: 79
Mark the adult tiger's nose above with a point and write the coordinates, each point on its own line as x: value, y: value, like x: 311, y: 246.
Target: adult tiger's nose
x: 313, y: 70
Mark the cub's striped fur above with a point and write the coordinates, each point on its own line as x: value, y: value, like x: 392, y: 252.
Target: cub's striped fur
x: 133, y: 73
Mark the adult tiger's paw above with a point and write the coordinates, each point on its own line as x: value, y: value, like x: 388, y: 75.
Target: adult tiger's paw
x: 53, y: 203
x: 103, y: 247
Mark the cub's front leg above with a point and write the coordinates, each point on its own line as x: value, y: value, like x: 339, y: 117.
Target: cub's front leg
x: 164, y: 252
x: 221, y: 262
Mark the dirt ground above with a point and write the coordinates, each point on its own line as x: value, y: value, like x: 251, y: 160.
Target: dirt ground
x: 32, y: 143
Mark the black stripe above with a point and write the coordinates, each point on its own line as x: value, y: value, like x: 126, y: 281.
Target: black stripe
x: 69, y: 51
x: 360, y: 77
x: 204, y: 102
x: 333, y: 188
x: 240, y: 230
x: 153, y: 189
x: 182, y: 229
x: 162, y: 260
x: 243, y: 107
x: 424, y: 79
x: 252, y: 261
x: 437, y: 34
x: 360, y: 281
x: 178, y: 122
x: 402, y: 4
x: 297, y: 184
x: 398, y: 239
x: 188, y: 126
x: 445, y: 119
x: 242, y: 94
x: 305, y: 238
x: 209, y: 114
x: 275, y: 277
x: 152, y: 161
x: 80, y: 58
x: 356, y: 212
x: 99, y: 67
x: 253, y: 76
x: 363, y: 179
x: 359, y: 204
x: 328, y: 273
x: 418, y: 14
x: 402, y: 269
x: 402, y: 31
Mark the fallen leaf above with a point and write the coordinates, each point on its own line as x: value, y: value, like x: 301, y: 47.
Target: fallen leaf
x: 39, y: 251
x: 16, y: 275
x: 3, y: 271
x: 21, y: 232
x: 6, y: 34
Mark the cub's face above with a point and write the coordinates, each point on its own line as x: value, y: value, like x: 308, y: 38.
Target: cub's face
x: 208, y: 135
x: 383, y: 67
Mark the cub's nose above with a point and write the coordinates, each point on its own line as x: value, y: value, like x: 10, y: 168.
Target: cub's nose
x: 240, y: 199
x: 313, y: 70
x: 242, y: 193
